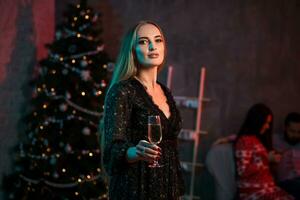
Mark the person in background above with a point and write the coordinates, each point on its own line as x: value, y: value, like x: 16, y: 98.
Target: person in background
x: 288, y: 143
x: 133, y: 95
x: 254, y: 140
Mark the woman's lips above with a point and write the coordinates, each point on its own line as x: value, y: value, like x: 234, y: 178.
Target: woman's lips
x: 153, y: 55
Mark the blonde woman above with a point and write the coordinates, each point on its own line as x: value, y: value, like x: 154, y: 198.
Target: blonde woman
x: 133, y: 95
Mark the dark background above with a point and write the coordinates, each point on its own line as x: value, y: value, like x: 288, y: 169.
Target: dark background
x: 250, y: 49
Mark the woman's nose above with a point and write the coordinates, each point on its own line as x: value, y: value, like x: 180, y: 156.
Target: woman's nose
x: 152, y: 46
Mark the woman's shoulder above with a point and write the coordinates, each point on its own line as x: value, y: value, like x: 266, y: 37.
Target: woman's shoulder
x: 247, y: 140
x: 122, y: 88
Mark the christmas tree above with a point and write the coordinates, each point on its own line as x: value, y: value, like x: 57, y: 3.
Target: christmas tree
x: 59, y: 156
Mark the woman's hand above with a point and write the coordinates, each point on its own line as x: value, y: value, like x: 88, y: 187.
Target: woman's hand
x: 143, y: 151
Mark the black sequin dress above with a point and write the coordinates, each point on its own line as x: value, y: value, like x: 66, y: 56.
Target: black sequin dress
x: 126, y: 112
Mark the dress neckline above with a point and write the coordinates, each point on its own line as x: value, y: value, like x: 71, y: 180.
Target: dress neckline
x: 150, y: 98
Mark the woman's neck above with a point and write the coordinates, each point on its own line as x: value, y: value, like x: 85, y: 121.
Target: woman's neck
x: 148, y: 78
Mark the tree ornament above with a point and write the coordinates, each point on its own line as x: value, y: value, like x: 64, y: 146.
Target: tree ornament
x: 53, y: 160
x: 85, y: 75
x: 110, y: 66
x: 100, y: 48
x: 58, y: 35
x: 55, y: 175
x: 86, y: 131
x: 65, y: 72
x: 68, y: 95
x: 68, y: 148
x: 83, y: 63
x: 103, y: 83
x: 63, y: 107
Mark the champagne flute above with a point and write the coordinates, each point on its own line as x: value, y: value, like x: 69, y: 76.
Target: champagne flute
x: 154, y: 134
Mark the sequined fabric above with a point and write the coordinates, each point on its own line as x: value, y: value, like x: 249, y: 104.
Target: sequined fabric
x: 126, y: 112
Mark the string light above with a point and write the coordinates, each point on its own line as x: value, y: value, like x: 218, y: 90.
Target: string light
x: 76, y: 193
x: 41, y: 127
x: 75, y: 18
x: 90, y: 154
x: 35, y: 113
x: 87, y: 17
x: 63, y: 170
x: 45, y: 106
x: 39, y: 89
x: 88, y: 176
x: 61, y: 59
x: 79, y: 180
x: 73, y: 61
x: 78, y: 35
x: 53, y: 71
x: 83, y: 93
x: 99, y: 93
x: 104, y: 66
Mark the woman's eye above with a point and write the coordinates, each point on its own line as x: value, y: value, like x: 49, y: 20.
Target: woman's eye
x: 159, y: 40
x: 143, y: 42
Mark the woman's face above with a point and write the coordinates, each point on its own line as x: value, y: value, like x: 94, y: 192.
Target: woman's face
x: 293, y: 132
x: 150, y: 46
x: 267, y: 125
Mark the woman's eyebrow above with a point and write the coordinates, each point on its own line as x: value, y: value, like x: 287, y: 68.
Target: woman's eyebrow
x: 157, y: 36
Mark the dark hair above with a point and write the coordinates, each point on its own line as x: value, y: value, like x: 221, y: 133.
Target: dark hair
x: 255, y: 119
x: 291, y: 117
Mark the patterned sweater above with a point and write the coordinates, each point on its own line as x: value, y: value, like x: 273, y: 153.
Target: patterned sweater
x: 254, y: 179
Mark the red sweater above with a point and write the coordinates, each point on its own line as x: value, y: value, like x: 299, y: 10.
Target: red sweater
x: 254, y: 180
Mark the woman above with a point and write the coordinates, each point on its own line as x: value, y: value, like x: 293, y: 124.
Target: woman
x: 253, y: 142
x: 133, y: 95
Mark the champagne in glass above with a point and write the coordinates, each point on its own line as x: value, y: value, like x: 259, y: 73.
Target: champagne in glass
x: 154, y: 134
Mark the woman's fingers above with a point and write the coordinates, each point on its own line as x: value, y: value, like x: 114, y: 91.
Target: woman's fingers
x: 147, y: 151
